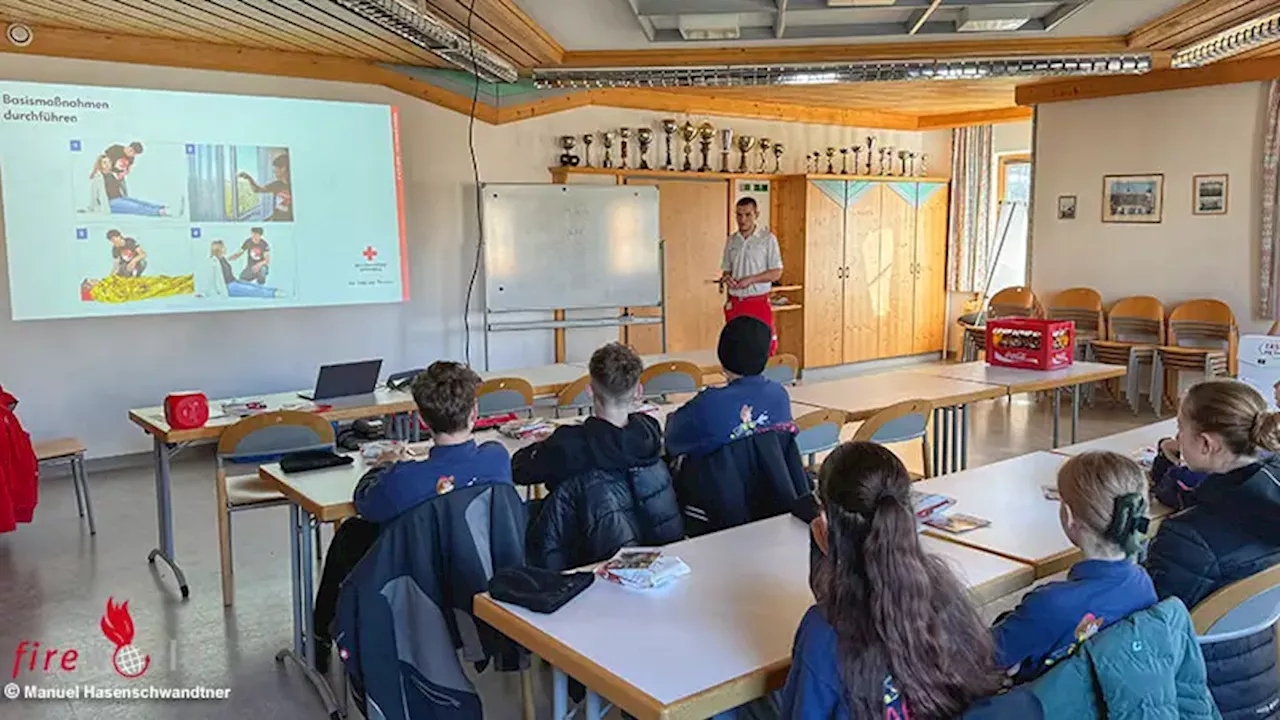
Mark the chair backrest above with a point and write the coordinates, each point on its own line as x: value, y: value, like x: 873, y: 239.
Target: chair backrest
x: 1202, y: 323
x: 261, y: 438
x: 907, y: 420
x: 574, y: 396
x: 819, y: 431
x: 1240, y: 609
x: 1137, y: 319
x: 1015, y: 301
x: 1082, y: 306
x: 783, y: 368
x: 670, y: 376
x: 504, y: 395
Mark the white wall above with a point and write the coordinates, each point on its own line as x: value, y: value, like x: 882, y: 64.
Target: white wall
x: 1180, y: 134
x: 80, y: 377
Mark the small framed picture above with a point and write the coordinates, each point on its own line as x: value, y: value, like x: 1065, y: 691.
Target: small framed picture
x: 1066, y: 207
x: 1209, y: 195
x: 1132, y: 198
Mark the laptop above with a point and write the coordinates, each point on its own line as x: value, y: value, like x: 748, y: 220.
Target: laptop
x: 345, y: 380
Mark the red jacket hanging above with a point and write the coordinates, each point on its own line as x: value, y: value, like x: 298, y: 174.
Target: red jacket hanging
x: 18, y: 474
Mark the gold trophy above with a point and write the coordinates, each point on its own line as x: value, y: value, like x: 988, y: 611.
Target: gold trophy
x: 745, y: 143
x: 707, y: 134
x: 777, y: 158
x: 645, y: 136
x: 625, y: 134
x: 765, y: 146
x: 688, y: 132
x: 871, y: 146
x: 586, y: 148
x: 609, y: 137
x: 726, y: 147
x: 669, y: 127
x: 831, y: 155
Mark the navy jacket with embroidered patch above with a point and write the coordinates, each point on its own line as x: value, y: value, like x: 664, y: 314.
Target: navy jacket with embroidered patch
x: 386, y: 492
x: 718, y: 416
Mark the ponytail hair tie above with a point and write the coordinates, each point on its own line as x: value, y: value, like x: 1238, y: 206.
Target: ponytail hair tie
x: 1129, y: 521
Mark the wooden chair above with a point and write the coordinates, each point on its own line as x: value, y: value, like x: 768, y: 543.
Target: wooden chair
x: 253, y: 441
x: 1083, y: 306
x: 1242, y: 609
x: 1135, y: 328
x: 500, y: 396
x: 1017, y: 301
x: 903, y: 422
x: 71, y: 451
x: 670, y: 376
x: 819, y: 431
x: 574, y: 396
x: 783, y: 369
x: 1202, y: 337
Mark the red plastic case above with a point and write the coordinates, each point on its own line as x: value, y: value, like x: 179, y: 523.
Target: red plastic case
x: 1031, y: 344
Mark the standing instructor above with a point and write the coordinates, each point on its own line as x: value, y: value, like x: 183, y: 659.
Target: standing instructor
x: 752, y: 263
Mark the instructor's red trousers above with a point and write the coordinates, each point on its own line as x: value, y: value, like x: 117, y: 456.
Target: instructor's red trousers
x: 756, y: 306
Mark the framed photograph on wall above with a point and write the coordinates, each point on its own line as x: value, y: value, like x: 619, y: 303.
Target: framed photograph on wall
x: 1066, y: 207
x: 1209, y: 195
x: 1132, y: 198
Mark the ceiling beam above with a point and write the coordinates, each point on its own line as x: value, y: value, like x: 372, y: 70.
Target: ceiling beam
x: 1061, y: 13
x: 780, y: 20
x: 1195, y: 21
x: 765, y: 55
x: 924, y: 17
x: 941, y: 121
x: 1222, y: 73
x: 650, y: 8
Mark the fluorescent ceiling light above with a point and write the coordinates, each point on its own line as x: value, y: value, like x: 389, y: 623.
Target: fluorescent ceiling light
x: 860, y: 3
x: 710, y: 27
x: 971, y: 22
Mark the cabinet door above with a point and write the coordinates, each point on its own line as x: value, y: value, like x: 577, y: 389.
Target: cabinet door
x: 693, y: 220
x: 862, y: 307
x: 823, y: 284
x: 931, y: 267
x: 897, y: 269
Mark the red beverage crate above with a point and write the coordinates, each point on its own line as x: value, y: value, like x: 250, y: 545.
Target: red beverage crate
x: 1031, y: 344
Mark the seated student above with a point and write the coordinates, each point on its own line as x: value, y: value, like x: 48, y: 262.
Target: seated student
x: 735, y: 445
x: 750, y: 403
x: 892, y: 634
x: 1104, y: 513
x: 608, y: 486
x: 445, y: 394
x: 1173, y: 483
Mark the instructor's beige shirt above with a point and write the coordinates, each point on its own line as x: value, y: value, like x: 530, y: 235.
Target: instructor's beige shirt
x: 751, y: 255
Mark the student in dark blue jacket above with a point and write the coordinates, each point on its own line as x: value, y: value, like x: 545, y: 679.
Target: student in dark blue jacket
x: 1104, y: 513
x: 893, y: 635
x: 445, y: 394
x: 1173, y: 483
x: 749, y: 404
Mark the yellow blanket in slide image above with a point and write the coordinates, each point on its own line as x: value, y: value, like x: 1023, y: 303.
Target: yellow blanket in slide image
x: 116, y: 290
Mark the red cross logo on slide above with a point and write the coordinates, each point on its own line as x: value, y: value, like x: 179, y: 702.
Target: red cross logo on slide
x: 369, y: 253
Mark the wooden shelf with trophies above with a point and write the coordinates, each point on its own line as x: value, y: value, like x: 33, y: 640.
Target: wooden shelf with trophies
x: 863, y: 253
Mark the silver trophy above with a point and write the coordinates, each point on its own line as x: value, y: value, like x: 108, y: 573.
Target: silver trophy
x: 903, y: 155
x: 777, y: 158
x: 871, y: 146
x: 669, y: 127
x: 625, y: 134
x: 745, y: 143
x: 812, y: 161
x: 567, y: 158
x: 923, y: 170
x: 765, y: 145
x: 586, y: 148
x: 831, y: 154
x: 886, y: 161
x: 726, y: 147
x: 645, y: 136
x: 857, y: 159
x: 844, y: 161
x: 609, y: 137
x: 688, y: 132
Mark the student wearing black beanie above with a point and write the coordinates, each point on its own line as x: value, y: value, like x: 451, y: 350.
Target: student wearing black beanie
x: 750, y: 403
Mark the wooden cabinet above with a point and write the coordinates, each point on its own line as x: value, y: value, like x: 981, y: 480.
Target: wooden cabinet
x: 874, y: 257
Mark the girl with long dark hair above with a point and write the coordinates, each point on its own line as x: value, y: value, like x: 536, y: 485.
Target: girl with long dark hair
x: 893, y: 634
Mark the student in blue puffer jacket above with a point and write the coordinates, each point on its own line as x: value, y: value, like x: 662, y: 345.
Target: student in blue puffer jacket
x: 1231, y: 531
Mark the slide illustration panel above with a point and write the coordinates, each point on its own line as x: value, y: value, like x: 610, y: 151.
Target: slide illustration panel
x: 119, y: 201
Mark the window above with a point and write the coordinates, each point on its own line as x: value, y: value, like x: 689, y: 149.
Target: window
x: 1013, y: 185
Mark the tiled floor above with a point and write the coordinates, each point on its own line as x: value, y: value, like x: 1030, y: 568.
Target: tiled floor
x: 55, y: 581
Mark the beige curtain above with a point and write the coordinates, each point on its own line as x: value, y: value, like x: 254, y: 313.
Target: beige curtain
x: 969, y: 240
x: 1269, y: 247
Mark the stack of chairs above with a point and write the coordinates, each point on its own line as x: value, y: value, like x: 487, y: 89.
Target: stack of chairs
x: 1135, y: 328
x: 1203, y: 337
x: 1016, y: 301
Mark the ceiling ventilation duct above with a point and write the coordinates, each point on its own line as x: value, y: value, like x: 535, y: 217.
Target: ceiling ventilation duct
x: 413, y: 23
x: 831, y: 73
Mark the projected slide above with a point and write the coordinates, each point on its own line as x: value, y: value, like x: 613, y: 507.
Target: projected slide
x: 122, y: 202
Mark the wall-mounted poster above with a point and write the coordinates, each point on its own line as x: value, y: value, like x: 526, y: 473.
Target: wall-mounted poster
x: 1209, y: 195
x: 1132, y: 198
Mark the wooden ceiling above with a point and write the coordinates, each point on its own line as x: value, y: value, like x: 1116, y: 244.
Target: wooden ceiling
x: 315, y: 34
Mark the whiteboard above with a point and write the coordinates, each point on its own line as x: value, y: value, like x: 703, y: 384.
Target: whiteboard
x: 564, y: 247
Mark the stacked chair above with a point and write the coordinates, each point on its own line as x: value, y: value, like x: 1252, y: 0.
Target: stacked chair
x: 1084, y: 307
x: 1203, y: 337
x: 1010, y: 302
x: 1135, y: 328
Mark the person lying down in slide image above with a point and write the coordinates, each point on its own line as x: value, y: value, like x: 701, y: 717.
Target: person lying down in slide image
x: 218, y: 279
